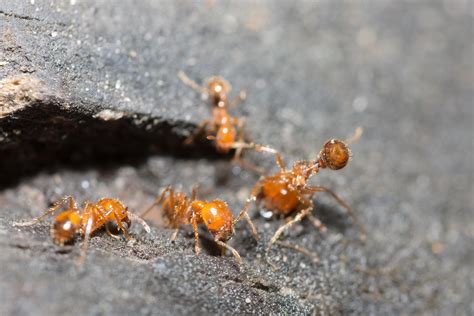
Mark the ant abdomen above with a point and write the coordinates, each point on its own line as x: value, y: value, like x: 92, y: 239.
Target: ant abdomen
x: 65, y: 227
x: 218, y: 219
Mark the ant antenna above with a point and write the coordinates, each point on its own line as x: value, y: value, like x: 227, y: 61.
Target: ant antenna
x: 355, y: 137
x: 191, y: 83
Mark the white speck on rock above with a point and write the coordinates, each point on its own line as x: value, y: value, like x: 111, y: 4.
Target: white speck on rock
x: 108, y: 115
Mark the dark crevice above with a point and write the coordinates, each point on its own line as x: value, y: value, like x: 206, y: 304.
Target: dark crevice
x: 47, y: 136
x: 18, y: 16
x: 29, y: 18
x: 264, y: 286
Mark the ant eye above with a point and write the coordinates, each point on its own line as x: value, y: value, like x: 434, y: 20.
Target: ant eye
x: 334, y: 155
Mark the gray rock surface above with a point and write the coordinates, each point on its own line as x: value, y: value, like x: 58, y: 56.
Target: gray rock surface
x: 91, y: 106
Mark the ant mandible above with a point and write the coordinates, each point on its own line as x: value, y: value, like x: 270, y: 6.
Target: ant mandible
x: 287, y: 191
x: 226, y: 131
x: 73, y: 221
x: 179, y: 210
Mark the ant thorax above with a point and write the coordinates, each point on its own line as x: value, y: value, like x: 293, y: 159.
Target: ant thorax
x: 302, y: 171
x: 221, y: 116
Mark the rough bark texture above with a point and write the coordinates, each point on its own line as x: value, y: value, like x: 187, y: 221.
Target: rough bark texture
x: 90, y: 105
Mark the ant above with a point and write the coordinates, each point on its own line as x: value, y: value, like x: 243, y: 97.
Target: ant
x: 74, y: 221
x: 287, y: 191
x: 180, y: 210
x: 226, y: 131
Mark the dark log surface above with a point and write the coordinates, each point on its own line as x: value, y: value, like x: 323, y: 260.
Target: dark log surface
x: 91, y: 106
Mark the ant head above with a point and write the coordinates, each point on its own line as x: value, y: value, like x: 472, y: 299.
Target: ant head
x: 218, y: 219
x: 219, y: 88
x: 334, y: 155
x: 65, y: 227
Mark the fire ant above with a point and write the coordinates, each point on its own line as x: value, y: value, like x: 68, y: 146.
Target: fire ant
x: 226, y: 131
x: 74, y: 221
x: 179, y: 210
x: 287, y: 191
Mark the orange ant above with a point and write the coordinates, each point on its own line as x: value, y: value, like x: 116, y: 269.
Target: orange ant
x: 181, y: 210
x: 226, y: 131
x: 287, y: 191
x: 74, y: 221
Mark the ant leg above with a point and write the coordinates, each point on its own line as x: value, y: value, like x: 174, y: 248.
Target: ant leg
x: 317, y: 223
x: 299, y: 249
x: 239, y: 98
x: 107, y: 230
x: 157, y: 201
x: 302, y: 214
x: 197, y: 248
x: 191, y: 83
x: 244, y: 212
x: 240, y: 125
x: 250, y: 223
x: 313, y: 189
x: 194, y: 193
x: 87, y: 235
x: 175, y: 234
x: 355, y: 137
x: 234, y: 252
x: 120, y: 225
x: 56, y: 206
x: 135, y: 218
x: 201, y: 127
x: 72, y: 203
x: 238, y: 151
x: 258, y: 148
x: 280, y: 162
x: 250, y: 166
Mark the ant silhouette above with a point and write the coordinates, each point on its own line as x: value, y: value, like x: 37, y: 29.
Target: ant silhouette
x: 226, y: 131
x: 73, y: 221
x: 287, y: 192
x: 180, y: 210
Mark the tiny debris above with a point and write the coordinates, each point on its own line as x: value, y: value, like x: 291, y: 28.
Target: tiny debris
x: 437, y: 247
x: 109, y: 115
x: 26, y: 69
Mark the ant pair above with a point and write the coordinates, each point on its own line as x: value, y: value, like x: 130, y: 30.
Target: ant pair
x: 284, y: 193
x: 177, y: 207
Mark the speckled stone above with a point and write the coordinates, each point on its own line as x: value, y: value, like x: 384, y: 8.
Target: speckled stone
x: 109, y: 115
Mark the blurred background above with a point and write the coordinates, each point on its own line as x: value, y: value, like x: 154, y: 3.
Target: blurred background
x: 313, y: 70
